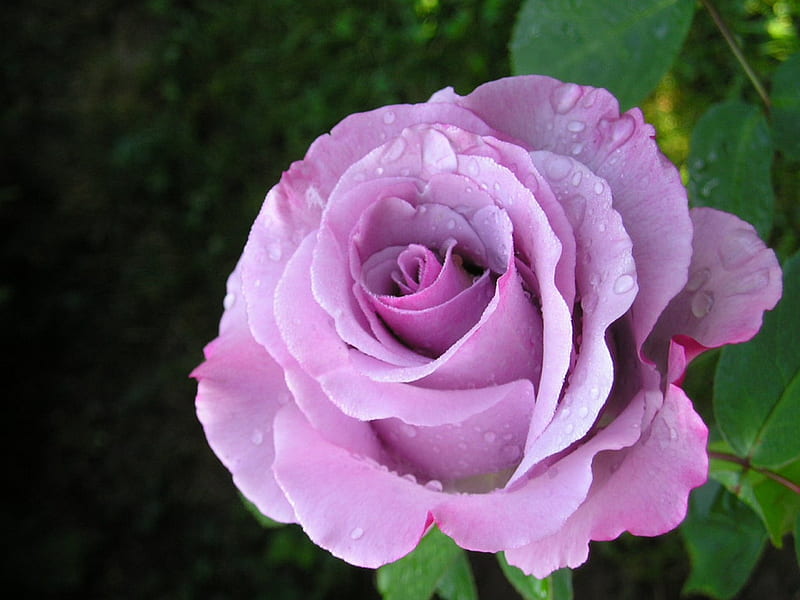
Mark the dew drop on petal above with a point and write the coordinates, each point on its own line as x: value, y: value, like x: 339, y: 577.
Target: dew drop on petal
x: 356, y: 533
x: 698, y: 279
x: 576, y: 126
x: 434, y: 485
x: 569, y: 428
x: 577, y: 176
x: 624, y: 284
x: 564, y: 97
x: 229, y: 301
x: 410, y: 477
x: 599, y: 188
x: 583, y: 412
x: 511, y: 452
x: 622, y: 130
x: 558, y: 167
x: 702, y: 303
x: 394, y: 151
x: 409, y: 430
x: 388, y: 117
x: 489, y: 437
x: 274, y: 251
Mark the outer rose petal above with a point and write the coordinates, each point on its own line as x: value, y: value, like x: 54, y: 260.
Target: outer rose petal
x: 583, y: 122
x: 240, y: 388
x: 643, y: 489
x: 733, y: 279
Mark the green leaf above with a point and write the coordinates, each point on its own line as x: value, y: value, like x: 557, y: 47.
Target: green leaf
x: 786, y: 107
x: 625, y: 47
x: 729, y: 163
x: 558, y: 586
x: 776, y: 504
x: 756, y: 392
x: 436, y: 565
x: 720, y: 532
x: 262, y: 519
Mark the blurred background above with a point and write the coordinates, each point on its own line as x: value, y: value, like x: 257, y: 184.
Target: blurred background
x: 138, y: 141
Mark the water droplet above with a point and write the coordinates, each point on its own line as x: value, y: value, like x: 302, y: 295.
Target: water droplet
x: 511, y: 452
x: 379, y: 171
x: 564, y: 97
x: 257, y: 437
x: 473, y: 168
x: 274, y: 251
x: 451, y: 224
x: 577, y: 149
x: 357, y: 533
x: 577, y: 176
x: 698, y: 279
x: 583, y: 412
x: 702, y: 303
x: 599, y: 187
x: 558, y: 167
x: 410, y: 477
x: 489, y: 437
x: 394, y: 151
x: 569, y: 428
x: 228, y: 301
x: 388, y: 117
x: 257, y: 283
x: 434, y: 485
x: 709, y: 186
x: 673, y: 433
x: 409, y: 430
x: 590, y: 98
x: 737, y: 248
x: 624, y: 284
x: 621, y: 130
x: 576, y: 126
x: 602, y: 226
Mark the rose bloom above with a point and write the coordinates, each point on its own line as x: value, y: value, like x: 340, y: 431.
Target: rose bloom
x: 475, y: 313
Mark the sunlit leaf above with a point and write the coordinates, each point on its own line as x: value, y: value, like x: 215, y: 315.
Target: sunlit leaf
x: 625, y: 47
x: 729, y: 163
x: 757, y: 387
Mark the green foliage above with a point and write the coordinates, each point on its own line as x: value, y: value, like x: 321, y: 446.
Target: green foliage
x: 730, y: 162
x: 622, y: 46
x: 557, y: 586
x: 724, y: 539
x: 786, y: 107
x: 437, y: 565
x: 756, y: 392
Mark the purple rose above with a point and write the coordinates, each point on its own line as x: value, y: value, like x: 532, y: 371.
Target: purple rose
x: 475, y: 313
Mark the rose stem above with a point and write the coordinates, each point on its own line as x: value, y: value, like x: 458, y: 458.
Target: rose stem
x: 791, y: 485
x: 726, y: 33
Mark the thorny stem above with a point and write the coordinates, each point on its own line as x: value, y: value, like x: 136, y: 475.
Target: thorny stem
x: 791, y: 485
x: 737, y: 51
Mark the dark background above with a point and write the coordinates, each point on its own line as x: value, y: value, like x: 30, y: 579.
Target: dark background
x: 138, y: 140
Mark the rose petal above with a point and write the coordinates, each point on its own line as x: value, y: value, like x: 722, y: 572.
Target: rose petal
x: 733, y: 279
x: 643, y: 490
x: 311, y: 339
x: 583, y: 122
x: 606, y: 283
x: 346, y: 504
x: 240, y: 389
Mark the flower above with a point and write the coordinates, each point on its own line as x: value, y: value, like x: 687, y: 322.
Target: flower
x: 475, y: 312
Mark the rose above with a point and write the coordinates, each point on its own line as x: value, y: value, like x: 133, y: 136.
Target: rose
x: 475, y: 312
